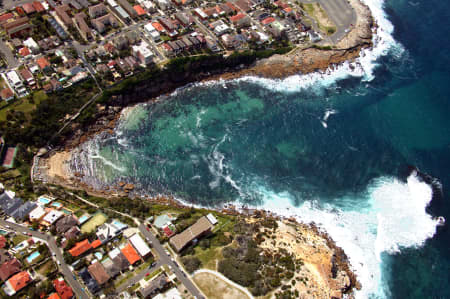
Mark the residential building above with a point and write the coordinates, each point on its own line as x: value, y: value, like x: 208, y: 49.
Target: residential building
x: 89, y: 281
x: 98, y: 272
x: 61, y: 12
x: 85, y: 31
x: 16, y: 283
x: 51, y: 217
x: 129, y: 9
x: 140, y: 245
x: 9, y: 268
x: 32, y: 45
x: 21, y: 213
x: 130, y: 254
x: 18, y: 28
x: 107, y: 20
x: 199, y: 228
x: 64, y: 291
x: 14, y: 79
x: 96, y: 11
x: 65, y: 223
x: 7, y: 94
x: 72, y: 233
x: 28, y: 8
x: 241, y: 20
x: 80, y: 248
x: 139, y: 10
x: 43, y: 63
x: 157, y: 284
x: 59, y: 29
x: 111, y: 268
x: 143, y: 53
x: 37, y: 214
x: 27, y: 76
x: 185, y: 19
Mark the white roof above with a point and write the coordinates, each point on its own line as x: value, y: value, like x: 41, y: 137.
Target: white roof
x: 53, y: 216
x: 212, y: 219
x: 143, y: 50
x: 13, y: 77
x: 201, y: 13
x: 112, y: 3
x: 30, y: 43
x: 37, y: 213
x: 113, y: 253
x: 173, y: 293
x: 149, y: 27
x: 140, y: 245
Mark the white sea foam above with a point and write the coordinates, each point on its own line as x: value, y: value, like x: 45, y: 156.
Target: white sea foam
x: 389, y: 216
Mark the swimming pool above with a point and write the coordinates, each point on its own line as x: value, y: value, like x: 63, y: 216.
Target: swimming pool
x: 84, y: 218
x: 98, y: 255
x: 66, y: 211
x: 119, y: 224
x: 57, y: 205
x: 32, y: 257
x: 43, y: 200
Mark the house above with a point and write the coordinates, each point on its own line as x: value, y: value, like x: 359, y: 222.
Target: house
x: 51, y: 217
x: 107, y: 20
x: 7, y: 94
x: 24, y: 52
x: 111, y: 268
x: 27, y: 76
x: 3, y: 242
x: 143, y: 53
x: 85, y: 31
x: 16, y: 283
x: 108, y: 231
x: 244, y: 5
x: 96, y: 11
x: 240, y: 20
x: 38, y: 6
x: 5, y: 17
x: 121, y: 261
x: 164, y: 4
x: 43, y: 63
x: 61, y: 12
x: 168, y: 25
x: 139, y: 10
x: 59, y: 29
x: 72, y: 233
x: 37, y: 214
x: 28, y: 8
x: 133, y: 37
x: 212, y: 219
x: 21, y: 213
x: 98, y: 272
x: 9, y: 268
x: 80, y: 248
x: 9, y: 203
x: 129, y: 9
x: 53, y: 296
x: 130, y: 254
x: 64, y: 291
x: 65, y: 223
x: 184, y: 19
x: 168, y: 49
x: 4, y: 256
x: 157, y: 284
x: 201, y: 14
x: 89, y: 281
x: 18, y: 28
x: 140, y: 245
x: 199, y: 228
x: 120, y: 42
x: 168, y: 232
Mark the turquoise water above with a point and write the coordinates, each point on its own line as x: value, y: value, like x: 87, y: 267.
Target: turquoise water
x: 43, y: 200
x: 335, y: 149
x: 32, y: 257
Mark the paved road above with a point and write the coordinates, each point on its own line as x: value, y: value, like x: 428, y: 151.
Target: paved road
x: 340, y: 12
x: 138, y: 277
x: 9, y: 56
x: 164, y: 258
x: 65, y: 270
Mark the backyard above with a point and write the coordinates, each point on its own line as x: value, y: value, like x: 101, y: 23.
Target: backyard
x: 96, y: 220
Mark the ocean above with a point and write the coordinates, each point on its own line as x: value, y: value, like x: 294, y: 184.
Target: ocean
x: 339, y: 149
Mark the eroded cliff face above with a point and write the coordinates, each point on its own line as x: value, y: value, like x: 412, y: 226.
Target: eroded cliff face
x: 325, y: 272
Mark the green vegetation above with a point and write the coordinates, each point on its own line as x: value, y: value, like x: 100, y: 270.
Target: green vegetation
x: 96, y: 220
x: 191, y: 263
x: 316, y: 11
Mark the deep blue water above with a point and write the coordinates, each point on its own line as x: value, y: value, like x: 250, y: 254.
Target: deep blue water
x: 251, y: 142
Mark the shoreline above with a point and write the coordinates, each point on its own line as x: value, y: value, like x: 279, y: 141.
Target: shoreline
x: 52, y: 166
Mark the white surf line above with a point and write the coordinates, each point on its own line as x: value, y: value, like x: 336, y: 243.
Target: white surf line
x: 241, y: 288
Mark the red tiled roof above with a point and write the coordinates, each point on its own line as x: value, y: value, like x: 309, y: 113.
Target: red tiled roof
x: 2, y: 241
x: 140, y: 11
x: 288, y: 9
x: 9, y: 268
x: 231, y: 5
x: 158, y: 26
x: 24, y: 51
x: 237, y: 17
x: 29, y: 8
x: 6, y: 93
x: 131, y: 254
x: 96, y: 243
x: 20, y: 280
x: 5, y: 17
x: 53, y: 296
x: 38, y: 6
x: 168, y: 231
x: 20, y: 11
x: 64, y: 291
x: 267, y: 21
x: 42, y: 62
x: 80, y: 248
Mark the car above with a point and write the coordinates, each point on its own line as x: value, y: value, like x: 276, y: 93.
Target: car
x: 59, y: 263
x: 147, y: 274
x: 7, y: 226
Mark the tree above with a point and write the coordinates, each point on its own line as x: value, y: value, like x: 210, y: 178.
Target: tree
x: 191, y: 263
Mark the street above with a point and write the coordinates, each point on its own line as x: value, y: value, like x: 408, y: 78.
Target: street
x: 166, y: 259
x: 8, y: 55
x: 65, y: 270
x: 138, y: 277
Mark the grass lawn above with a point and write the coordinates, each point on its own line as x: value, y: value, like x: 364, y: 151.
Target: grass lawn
x: 19, y: 238
x: 46, y: 268
x: 153, y: 274
x: 24, y: 105
x: 96, y: 220
x: 316, y: 12
x: 215, y: 288
x: 209, y: 256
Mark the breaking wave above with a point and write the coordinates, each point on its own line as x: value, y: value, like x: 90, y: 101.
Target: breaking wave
x: 389, y: 216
